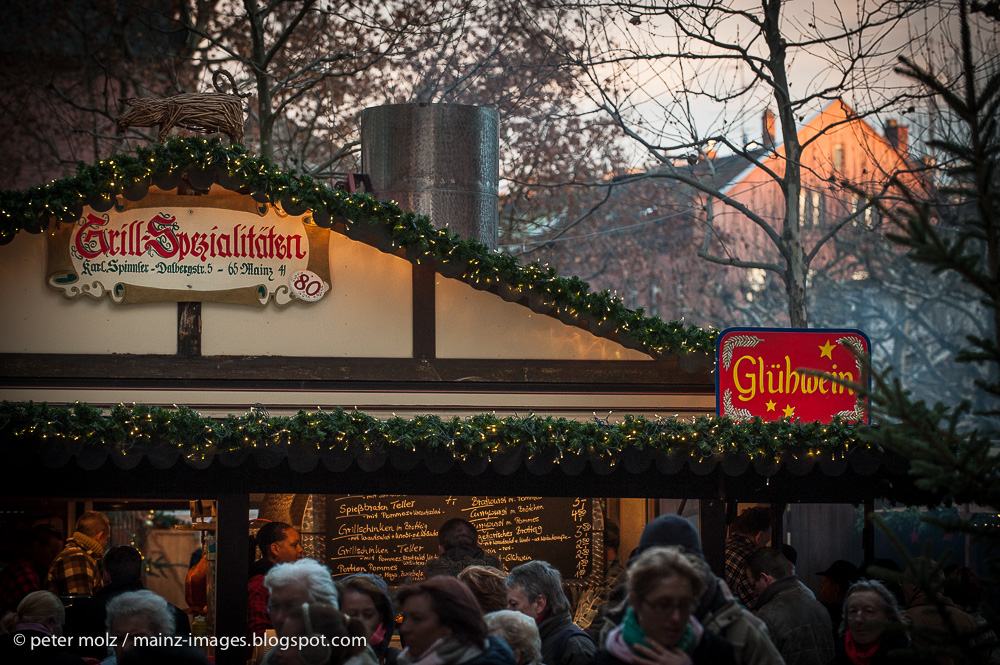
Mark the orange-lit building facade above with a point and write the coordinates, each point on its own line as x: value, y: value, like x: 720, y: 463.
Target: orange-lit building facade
x: 839, y: 147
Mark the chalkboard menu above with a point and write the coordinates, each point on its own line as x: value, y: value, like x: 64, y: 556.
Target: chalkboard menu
x: 393, y: 535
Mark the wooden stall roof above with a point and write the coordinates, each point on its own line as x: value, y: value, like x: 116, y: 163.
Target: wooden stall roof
x: 653, y: 358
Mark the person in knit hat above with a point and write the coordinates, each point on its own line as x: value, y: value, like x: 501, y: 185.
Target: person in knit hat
x: 717, y: 611
x: 76, y: 569
x: 670, y: 531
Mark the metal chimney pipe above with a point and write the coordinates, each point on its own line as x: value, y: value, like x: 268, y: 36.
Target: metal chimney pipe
x: 439, y: 160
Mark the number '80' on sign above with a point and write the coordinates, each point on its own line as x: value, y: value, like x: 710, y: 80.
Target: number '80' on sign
x: 307, y: 285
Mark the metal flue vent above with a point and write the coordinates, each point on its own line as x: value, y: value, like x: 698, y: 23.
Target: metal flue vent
x: 439, y: 160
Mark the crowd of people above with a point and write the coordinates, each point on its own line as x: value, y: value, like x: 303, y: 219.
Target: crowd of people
x: 666, y: 607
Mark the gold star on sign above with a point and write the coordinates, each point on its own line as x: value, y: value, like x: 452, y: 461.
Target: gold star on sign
x: 789, y: 410
x: 771, y: 405
x: 827, y: 350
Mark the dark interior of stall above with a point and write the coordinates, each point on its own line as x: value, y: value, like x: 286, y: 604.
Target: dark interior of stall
x: 394, y: 535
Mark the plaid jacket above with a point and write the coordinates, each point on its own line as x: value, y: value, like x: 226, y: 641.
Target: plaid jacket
x: 75, y: 570
x: 738, y: 550
x: 17, y: 580
x: 258, y: 619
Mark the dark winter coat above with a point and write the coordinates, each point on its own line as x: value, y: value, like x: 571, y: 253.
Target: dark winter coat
x: 578, y: 650
x: 457, y: 559
x: 721, y: 614
x: 88, y: 617
x: 798, y: 624
x: 496, y: 653
x: 925, y: 615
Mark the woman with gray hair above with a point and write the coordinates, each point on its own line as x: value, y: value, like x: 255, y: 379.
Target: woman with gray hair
x: 663, y: 588
x: 520, y: 632
x: 137, y: 614
x: 873, y: 627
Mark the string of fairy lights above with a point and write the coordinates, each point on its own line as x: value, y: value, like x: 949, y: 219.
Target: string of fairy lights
x: 127, y: 428
x: 207, y: 160
x: 139, y: 428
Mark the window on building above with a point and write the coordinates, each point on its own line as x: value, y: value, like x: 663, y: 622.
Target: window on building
x: 817, y: 199
x: 838, y: 157
x: 802, y: 205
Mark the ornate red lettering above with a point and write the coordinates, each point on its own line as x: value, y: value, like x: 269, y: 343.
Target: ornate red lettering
x: 90, y: 241
x: 164, y: 242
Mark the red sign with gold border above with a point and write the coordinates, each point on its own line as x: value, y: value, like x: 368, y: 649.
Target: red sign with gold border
x: 758, y: 374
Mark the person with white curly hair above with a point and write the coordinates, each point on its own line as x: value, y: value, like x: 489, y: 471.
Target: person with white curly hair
x: 290, y: 585
x: 136, y: 614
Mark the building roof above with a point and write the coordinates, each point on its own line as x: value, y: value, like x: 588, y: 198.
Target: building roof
x: 203, y: 164
x: 808, y: 128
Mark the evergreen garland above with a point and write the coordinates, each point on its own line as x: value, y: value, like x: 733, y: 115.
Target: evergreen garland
x: 29, y: 425
x: 208, y: 160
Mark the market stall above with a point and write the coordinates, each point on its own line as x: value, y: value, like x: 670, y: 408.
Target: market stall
x: 191, y: 323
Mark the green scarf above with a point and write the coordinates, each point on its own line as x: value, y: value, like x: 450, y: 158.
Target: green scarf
x: 633, y: 633
x: 88, y: 544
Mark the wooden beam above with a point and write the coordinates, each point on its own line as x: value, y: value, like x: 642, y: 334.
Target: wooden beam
x: 44, y: 476
x: 305, y: 373
x: 424, y: 312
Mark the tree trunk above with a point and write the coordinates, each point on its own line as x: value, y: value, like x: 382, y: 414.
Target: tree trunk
x: 795, y: 287
x: 791, y: 182
x: 258, y: 61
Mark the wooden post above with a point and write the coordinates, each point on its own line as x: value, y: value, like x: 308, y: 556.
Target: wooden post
x: 713, y: 535
x: 868, y: 532
x: 233, y: 569
x: 189, y: 329
x: 777, y: 526
x: 424, y: 312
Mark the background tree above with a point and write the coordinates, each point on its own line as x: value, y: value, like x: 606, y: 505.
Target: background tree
x: 64, y: 67
x: 311, y: 66
x: 952, y: 448
x: 683, y: 80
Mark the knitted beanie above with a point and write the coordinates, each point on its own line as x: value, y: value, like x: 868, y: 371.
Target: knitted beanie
x: 670, y: 530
